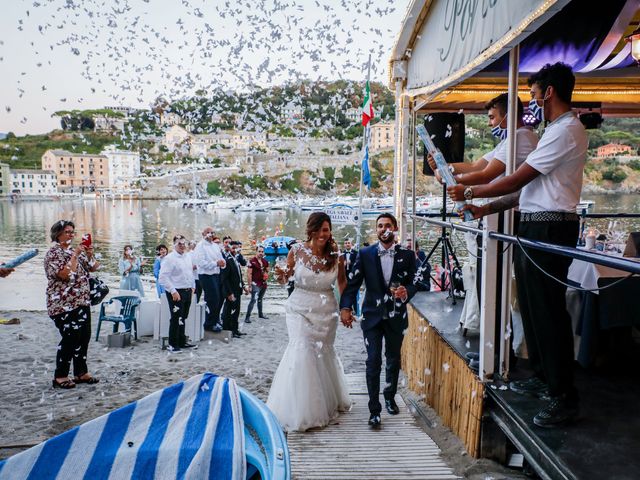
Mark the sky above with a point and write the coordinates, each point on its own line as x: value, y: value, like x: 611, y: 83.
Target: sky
x: 82, y: 54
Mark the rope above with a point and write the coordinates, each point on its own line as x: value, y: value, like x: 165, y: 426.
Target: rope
x: 581, y: 289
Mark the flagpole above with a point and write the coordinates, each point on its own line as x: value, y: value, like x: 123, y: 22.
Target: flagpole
x: 365, y: 142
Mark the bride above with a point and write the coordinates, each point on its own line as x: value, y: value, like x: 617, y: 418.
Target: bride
x: 309, y: 387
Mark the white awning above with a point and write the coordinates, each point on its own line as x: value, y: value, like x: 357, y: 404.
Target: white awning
x: 446, y: 41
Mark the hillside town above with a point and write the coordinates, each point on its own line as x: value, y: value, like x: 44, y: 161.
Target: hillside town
x: 116, y: 171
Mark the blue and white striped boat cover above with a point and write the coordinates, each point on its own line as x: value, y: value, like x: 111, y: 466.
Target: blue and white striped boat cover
x: 190, y: 430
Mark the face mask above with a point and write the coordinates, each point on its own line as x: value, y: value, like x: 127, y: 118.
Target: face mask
x: 537, y: 110
x: 498, y: 131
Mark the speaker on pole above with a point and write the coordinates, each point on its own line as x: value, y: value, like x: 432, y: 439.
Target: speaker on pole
x: 447, y: 132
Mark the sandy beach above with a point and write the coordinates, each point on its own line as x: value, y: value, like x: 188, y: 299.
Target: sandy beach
x: 33, y: 411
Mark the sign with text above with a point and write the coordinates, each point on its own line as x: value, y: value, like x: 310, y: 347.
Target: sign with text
x: 457, y: 33
x: 342, y: 214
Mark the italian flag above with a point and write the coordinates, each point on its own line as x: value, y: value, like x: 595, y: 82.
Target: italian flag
x: 367, y: 107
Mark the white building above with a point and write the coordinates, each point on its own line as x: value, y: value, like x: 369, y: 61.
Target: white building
x: 33, y: 182
x: 127, y: 111
x: 170, y: 118
x: 291, y: 112
x: 211, y: 143
x: 382, y: 136
x: 124, y: 167
x: 353, y: 114
x: 104, y: 123
x: 174, y: 136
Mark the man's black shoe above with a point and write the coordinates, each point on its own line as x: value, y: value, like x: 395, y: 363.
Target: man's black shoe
x: 532, y: 386
x: 240, y: 333
x: 246, y: 320
x: 264, y: 317
x: 392, y: 407
x: 374, y: 420
x: 558, y: 412
x: 216, y: 329
x: 188, y: 345
x: 236, y: 335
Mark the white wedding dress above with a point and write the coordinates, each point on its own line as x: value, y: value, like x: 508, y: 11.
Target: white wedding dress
x: 309, y: 388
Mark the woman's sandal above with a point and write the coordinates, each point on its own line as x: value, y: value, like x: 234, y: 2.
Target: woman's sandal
x: 90, y: 380
x: 66, y: 384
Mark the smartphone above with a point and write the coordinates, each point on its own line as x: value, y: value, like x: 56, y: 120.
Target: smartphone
x: 86, y: 240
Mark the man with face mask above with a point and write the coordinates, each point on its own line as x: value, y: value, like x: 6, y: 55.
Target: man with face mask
x: 388, y: 272
x: 551, y: 182
x: 492, y: 165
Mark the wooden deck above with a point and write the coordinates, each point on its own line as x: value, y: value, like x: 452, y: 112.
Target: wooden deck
x: 349, y: 449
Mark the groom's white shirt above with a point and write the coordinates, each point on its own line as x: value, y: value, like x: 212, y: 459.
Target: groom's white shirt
x: 386, y: 262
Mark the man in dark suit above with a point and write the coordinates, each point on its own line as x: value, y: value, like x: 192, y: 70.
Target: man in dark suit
x: 350, y: 255
x: 388, y: 272
x: 232, y: 288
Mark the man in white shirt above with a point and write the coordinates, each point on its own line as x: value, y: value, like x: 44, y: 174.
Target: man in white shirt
x: 209, y: 260
x: 176, y: 276
x: 551, y: 182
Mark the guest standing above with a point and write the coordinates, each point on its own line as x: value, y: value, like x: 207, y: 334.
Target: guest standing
x: 129, y: 267
x: 68, y: 303
x: 350, y: 255
x: 209, y: 260
x: 161, y: 252
x: 232, y: 288
x: 257, y: 272
x: 176, y: 275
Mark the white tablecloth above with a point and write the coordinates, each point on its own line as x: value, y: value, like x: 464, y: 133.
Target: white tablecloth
x: 193, y: 327
x: 587, y: 274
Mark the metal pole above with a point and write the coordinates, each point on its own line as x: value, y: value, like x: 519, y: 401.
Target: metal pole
x: 413, y: 174
x: 365, y: 141
x: 406, y: 119
x: 397, y: 160
x: 512, y: 125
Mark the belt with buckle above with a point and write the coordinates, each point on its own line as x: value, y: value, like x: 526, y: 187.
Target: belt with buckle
x: 549, y: 217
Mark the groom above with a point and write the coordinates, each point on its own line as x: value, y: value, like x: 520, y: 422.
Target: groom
x: 382, y: 266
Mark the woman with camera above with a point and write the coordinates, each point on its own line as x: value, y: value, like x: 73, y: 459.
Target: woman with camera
x: 68, y: 302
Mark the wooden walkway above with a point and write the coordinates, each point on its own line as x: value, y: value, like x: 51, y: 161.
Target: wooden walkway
x: 349, y: 449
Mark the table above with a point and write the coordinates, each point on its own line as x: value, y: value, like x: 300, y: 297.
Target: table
x: 601, y: 315
x: 193, y: 327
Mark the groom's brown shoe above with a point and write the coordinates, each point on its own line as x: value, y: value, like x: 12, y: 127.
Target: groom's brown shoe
x: 374, y: 420
x: 392, y: 407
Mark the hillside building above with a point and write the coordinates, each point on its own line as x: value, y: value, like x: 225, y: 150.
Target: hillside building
x: 613, y: 150
x: 33, y: 182
x: 382, y: 136
x: 5, y: 179
x: 77, y: 172
x: 123, y: 167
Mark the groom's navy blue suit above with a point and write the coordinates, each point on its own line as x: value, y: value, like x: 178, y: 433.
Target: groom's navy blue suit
x: 379, y: 320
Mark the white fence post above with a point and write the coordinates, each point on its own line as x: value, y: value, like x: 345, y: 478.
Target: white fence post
x: 488, y: 298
